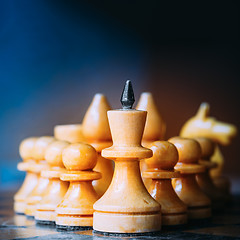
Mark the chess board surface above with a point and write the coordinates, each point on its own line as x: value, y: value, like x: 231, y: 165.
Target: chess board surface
x: 223, y: 225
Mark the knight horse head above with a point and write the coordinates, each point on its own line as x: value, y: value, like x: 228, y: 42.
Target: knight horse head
x: 201, y: 125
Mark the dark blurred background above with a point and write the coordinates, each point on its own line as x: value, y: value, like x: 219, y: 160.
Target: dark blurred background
x: 55, y: 55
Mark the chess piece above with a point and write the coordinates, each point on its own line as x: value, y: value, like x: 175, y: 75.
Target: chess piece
x: 186, y: 187
x: 35, y: 197
x: 161, y: 170
x: 203, y: 179
x: 126, y: 206
x: 76, y: 209
x: 31, y: 178
x: 201, y: 125
x: 97, y: 133
x: 71, y: 133
x: 155, y: 127
x: 57, y: 188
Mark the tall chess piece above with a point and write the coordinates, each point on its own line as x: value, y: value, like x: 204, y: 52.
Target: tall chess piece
x: 75, y: 211
x: 186, y: 187
x: 202, y: 125
x: 36, y: 195
x: 31, y: 178
x: 96, y: 130
x: 126, y: 206
x: 57, y: 188
x: 160, y: 171
x: 155, y: 127
x: 204, y: 180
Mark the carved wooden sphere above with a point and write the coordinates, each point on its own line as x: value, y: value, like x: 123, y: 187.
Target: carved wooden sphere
x: 54, y: 151
x: 79, y: 157
x: 165, y: 155
x: 189, y: 150
x: 26, y: 148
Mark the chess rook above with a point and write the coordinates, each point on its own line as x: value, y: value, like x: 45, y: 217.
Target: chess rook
x: 126, y: 206
x: 71, y: 133
x: 160, y: 171
x: 186, y: 187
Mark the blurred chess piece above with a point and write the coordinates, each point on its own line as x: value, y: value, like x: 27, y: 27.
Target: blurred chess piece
x: 71, y: 133
x: 155, y: 127
x: 186, y: 187
x: 204, y: 180
x: 31, y: 178
x: 126, y: 206
x: 201, y: 125
x: 36, y: 195
x: 57, y: 188
x: 75, y: 211
x: 161, y: 171
x: 96, y: 130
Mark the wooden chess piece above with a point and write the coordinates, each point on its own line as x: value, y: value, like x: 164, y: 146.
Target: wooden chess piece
x: 96, y: 130
x: 31, y: 178
x: 71, y: 133
x: 161, y: 170
x: 126, y: 206
x: 201, y: 125
x: 57, y: 188
x: 76, y: 209
x: 203, y: 179
x: 186, y: 187
x: 35, y: 197
x: 155, y: 127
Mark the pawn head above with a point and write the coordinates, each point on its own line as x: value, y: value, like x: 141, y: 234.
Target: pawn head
x: 53, y: 153
x: 207, y: 147
x: 79, y: 157
x: 40, y: 147
x: 165, y: 155
x: 26, y: 148
x: 189, y: 150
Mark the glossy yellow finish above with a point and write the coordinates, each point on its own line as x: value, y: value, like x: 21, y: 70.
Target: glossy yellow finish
x: 97, y: 133
x: 126, y: 206
x: 76, y: 208
x: 155, y: 127
x: 201, y: 125
x: 161, y: 170
x: 186, y: 187
x: 26, y: 152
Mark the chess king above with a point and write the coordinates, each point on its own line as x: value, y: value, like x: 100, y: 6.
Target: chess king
x: 201, y: 125
x: 126, y: 206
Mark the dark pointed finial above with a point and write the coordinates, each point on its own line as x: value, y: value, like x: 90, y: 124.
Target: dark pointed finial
x: 127, y: 98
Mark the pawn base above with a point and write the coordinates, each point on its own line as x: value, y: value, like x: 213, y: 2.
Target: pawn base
x: 45, y: 216
x: 19, y: 207
x: 30, y: 210
x: 45, y: 222
x: 126, y: 223
x: 174, y: 219
x: 74, y: 220
x: 199, y: 212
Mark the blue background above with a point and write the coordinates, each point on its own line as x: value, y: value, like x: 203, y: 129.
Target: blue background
x: 55, y: 55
